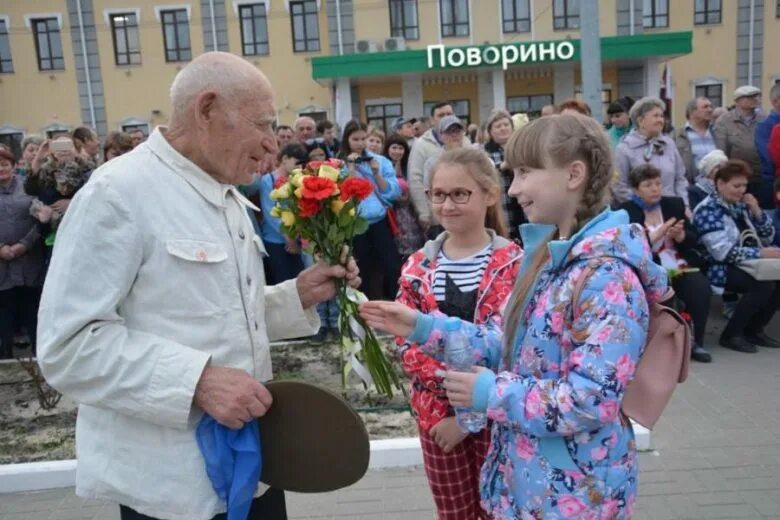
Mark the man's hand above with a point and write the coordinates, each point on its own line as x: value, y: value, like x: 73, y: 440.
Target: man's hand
x: 393, y: 317
x: 317, y: 283
x: 447, y: 434
x: 231, y: 396
x: 18, y: 250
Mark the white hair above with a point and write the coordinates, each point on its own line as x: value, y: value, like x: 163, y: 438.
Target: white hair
x: 301, y: 119
x: 219, y: 72
x: 643, y: 106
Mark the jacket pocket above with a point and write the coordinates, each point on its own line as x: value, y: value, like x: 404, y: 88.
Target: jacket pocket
x: 196, y: 251
x: 198, y: 281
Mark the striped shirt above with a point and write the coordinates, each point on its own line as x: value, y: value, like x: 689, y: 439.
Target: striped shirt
x: 464, y: 273
x: 701, y: 145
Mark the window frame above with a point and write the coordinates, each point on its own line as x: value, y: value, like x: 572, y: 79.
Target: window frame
x: 654, y: 15
x: 51, y: 58
x: 532, y: 114
x: 179, y: 51
x: 455, y: 24
x: 386, y: 119
x: 568, y: 19
x: 255, y: 43
x: 707, y: 12
x: 306, y: 39
x: 6, y: 63
x: 128, y: 53
x: 514, y: 20
x: 403, y: 30
x: 706, y: 85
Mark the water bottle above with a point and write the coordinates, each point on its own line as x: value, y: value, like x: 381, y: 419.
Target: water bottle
x: 457, y: 356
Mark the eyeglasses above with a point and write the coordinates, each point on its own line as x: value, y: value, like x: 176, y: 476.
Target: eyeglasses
x: 458, y: 196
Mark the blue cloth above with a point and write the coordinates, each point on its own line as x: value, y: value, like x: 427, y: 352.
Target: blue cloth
x: 233, y: 463
x: 763, y: 132
x: 374, y: 207
x: 271, y: 228
x: 639, y: 201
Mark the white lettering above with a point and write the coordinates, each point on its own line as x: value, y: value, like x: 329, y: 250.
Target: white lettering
x: 565, y: 50
x: 473, y: 57
x: 496, y: 55
x: 431, y: 49
x: 505, y: 52
x: 548, y: 51
x: 456, y: 57
x: 528, y: 52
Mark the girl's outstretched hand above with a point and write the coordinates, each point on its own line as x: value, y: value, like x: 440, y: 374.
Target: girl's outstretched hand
x: 392, y: 317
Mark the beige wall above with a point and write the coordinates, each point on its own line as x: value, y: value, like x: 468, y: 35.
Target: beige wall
x: 30, y: 99
x: 771, y: 69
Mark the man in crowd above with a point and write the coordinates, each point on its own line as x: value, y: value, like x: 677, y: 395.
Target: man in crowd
x: 305, y: 129
x: 427, y: 146
x: 763, y: 133
x: 421, y: 125
x: 405, y: 128
x: 137, y: 136
x: 695, y: 139
x: 88, y: 143
x: 735, y: 131
x: 155, y: 310
x: 284, y: 136
x: 326, y: 131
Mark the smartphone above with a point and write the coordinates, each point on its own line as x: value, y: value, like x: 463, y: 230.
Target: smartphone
x: 62, y: 145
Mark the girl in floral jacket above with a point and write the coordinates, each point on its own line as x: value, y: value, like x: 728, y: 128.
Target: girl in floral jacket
x: 468, y: 271
x: 559, y: 446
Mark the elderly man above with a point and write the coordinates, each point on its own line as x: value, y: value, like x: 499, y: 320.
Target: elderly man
x: 138, y: 136
x: 695, y: 139
x: 735, y: 130
x: 155, y: 310
x: 305, y: 129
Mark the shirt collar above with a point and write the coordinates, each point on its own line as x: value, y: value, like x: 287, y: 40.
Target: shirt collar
x: 210, y: 189
x: 690, y: 127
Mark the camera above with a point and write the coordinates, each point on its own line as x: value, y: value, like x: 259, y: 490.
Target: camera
x: 363, y: 158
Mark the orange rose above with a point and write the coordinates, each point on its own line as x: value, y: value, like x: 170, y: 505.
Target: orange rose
x: 318, y: 188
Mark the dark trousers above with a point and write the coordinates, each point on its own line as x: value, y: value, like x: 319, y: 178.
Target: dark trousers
x: 693, y: 289
x: 18, y: 306
x: 759, y: 302
x: 270, y: 506
x: 764, y: 191
x: 377, y: 245
x: 282, y: 265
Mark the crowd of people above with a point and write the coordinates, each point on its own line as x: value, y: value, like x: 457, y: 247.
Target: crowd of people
x: 148, y: 320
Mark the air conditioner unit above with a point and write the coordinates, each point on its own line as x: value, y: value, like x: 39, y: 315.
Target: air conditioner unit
x: 364, y: 46
x: 395, y: 43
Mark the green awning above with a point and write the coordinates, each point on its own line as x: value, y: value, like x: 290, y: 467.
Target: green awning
x: 666, y: 45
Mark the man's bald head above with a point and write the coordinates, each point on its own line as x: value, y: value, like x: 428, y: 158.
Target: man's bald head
x: 226, y: 75
x: 305, y: 128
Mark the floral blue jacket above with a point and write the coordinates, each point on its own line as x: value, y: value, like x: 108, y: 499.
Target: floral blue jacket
x: 719, y: 226
x: 559, y: 446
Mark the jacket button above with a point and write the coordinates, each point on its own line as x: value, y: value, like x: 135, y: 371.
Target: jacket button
x: 241, y: 234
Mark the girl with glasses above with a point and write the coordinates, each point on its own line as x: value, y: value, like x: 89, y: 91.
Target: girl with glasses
x: 467, y: 271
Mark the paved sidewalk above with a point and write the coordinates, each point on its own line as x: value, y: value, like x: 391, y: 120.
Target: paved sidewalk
x: 717, y: 456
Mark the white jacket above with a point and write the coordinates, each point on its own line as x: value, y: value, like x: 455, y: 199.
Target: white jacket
x: 156, y: 272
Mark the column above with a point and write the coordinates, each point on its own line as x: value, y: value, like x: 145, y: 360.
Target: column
x: 492, y: 92
x: 343, y: 102
x: 499, y: 88
x: 563, y: 76
x: 412, y: 95
x: 651, y: 77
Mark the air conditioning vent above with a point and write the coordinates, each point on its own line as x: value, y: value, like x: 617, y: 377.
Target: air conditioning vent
x: 364, y: 46
x: 395, y: 43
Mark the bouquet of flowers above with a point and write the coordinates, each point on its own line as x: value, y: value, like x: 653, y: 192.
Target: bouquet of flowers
x: 319, y: 203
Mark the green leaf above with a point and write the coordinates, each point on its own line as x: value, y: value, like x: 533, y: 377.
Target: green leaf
x: 361, y: 226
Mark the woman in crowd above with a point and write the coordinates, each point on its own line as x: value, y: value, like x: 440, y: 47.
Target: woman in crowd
x: 410, y: 236
x: 117, y: 143
x: 559, y: 446
x: 705, y: 184
x: 375, y: 141
x: 499, y: 128
x: 377, y: 243
x: 21, y: 259
x: 647, y: 144
x: 317, y: 151
x: 673, y: 241
x: 720, y: 221
x: 468, y: 272
x: 30, y: 146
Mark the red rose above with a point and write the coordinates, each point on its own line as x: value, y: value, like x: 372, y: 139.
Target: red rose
x: 314, y: 165
x: 308, y: 207
x: 354, y: 188
x: 280, y: 182
x: 317, y: 188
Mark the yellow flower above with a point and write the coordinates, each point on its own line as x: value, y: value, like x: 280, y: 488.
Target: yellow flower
x: 299, y: 192
x: 329, y: 172
x: 352, y: 212
x: 296, y: 178
x: 288, y: 218
x: 336, y: 205
x: 282, y: 192
x: 276, y: 212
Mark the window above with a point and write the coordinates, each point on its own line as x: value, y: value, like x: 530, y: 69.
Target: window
x: 176, y: 35
x: 515, y: 16
x: 12, y: 138
x: 254, y: 29
x: 403, y: 19
x: 127, y: 49
x: 454, y: 17
x: 305, y: 26
x: 48, y: 44
x: 655, y: 13
x: 529, y: 105
x: 706, y: 12
x: 6, y: 63
x: 459, y: 106
x: 382, y: 116
x: 566, y: 14
x: 712, y: 91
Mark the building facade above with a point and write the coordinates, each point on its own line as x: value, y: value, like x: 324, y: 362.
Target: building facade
x: 109, y: 63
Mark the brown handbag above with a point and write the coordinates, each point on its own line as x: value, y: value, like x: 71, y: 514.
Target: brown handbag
x: 663, y: 364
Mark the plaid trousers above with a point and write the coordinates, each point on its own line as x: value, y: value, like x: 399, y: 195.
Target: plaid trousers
x: 454, y: 476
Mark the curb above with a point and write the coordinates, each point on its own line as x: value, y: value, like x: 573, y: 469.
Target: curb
x: 385, y: 453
